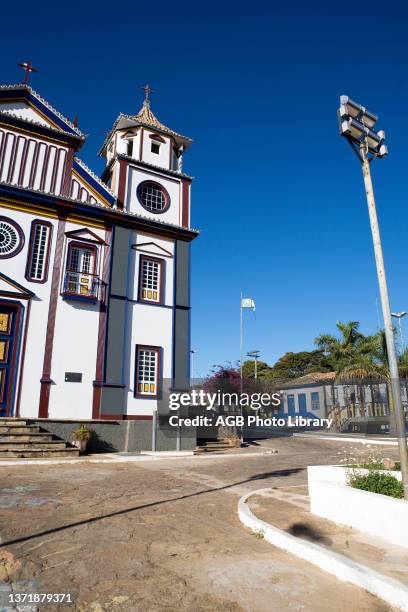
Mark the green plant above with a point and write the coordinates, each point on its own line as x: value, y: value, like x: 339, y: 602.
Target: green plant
x: 377, y: 482
x: 82, y: 433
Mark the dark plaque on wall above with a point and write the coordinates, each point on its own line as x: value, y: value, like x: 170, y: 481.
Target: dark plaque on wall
x: 73, y: 376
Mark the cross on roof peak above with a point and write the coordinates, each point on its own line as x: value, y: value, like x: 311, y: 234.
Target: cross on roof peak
x: 27, y: 67
x: 148, y: 90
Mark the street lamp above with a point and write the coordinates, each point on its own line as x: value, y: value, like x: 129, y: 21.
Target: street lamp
x: 399, y: 315
x: 255, y: 355
x: 356, y: 124
x: 192, y: 353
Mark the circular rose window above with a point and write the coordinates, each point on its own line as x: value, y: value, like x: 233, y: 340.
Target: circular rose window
x: 11, y: 238
x: 153, y: 197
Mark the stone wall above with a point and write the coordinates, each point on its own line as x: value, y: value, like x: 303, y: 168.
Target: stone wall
x: 122, y: 436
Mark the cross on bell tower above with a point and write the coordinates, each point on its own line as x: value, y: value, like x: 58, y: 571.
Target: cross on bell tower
x: 148, y: 90
x: 27, y: 67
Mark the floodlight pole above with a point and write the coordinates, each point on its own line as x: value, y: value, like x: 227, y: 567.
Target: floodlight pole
x: 389, y: 332
x: 241, y: 357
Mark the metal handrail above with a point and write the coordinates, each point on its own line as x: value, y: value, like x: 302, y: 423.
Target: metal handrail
x: 82, y: 284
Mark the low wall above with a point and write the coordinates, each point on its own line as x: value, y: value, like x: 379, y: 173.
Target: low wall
x: 378, y: 515
x: 122, y: 436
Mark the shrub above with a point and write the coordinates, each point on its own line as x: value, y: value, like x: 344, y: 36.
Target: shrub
x: 82, y: 433
x: 377, y: 482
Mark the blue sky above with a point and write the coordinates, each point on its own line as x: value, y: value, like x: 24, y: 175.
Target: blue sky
x: 279, y: 195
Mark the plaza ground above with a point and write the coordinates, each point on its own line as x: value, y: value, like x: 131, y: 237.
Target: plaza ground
x: 164, y: 535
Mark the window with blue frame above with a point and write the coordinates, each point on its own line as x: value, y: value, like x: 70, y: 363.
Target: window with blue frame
x: 315, y: 401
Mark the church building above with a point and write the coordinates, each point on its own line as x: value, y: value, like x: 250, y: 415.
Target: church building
x: 94, y: 272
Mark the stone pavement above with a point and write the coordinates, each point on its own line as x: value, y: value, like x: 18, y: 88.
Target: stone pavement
x: 163, y: 535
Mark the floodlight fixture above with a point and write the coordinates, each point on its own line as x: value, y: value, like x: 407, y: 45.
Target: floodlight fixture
x: 356, y: 124
x: 357, y: 111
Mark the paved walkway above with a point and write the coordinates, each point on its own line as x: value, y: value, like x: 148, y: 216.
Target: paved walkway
x: 288, y: 509
x: 164, y: 535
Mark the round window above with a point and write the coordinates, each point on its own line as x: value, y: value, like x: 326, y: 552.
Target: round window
x: 153, y: 197
x: 11, y: 238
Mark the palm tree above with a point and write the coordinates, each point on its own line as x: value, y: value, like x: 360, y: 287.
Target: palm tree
x: 342, y: 350
x: 371, y: 365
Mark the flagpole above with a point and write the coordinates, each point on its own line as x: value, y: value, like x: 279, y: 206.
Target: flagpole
x: 241, y: 341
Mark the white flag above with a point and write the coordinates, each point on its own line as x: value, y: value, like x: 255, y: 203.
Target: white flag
x: 247, y: 303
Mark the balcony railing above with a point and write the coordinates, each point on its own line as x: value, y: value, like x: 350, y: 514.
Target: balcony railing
x: 82, y: 285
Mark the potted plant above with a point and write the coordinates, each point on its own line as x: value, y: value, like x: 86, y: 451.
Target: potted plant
x: 80, y: 436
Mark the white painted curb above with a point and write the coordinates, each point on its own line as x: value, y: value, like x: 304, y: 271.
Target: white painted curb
x: 189, y: 453
x: 393, y: 592
x: 334, y: 438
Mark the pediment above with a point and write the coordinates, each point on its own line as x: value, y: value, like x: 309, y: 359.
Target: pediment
x: 85, y: 235
x: 23, y: 110
x: 9, y: 287
x: 152, y: 248
x: 24, y: 103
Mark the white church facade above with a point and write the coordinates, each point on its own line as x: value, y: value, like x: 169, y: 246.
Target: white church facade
x: 94, y: 273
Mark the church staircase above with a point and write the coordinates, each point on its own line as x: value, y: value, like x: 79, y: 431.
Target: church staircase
x: 19, y: 439
x: 214, y: 446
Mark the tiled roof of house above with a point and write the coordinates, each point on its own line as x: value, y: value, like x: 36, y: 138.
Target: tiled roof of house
x: 312, y: 378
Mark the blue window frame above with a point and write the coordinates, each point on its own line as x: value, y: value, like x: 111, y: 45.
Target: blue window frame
x: 315, y: 401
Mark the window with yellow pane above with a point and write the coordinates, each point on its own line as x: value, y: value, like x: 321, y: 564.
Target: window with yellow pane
x: 147, y: 370
x: 150, y: 279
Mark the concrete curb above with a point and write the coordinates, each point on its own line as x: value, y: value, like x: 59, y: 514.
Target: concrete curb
x: 393, y: 592
x: 392, y: 442
x: 112, y: 460
x: 188, y: 453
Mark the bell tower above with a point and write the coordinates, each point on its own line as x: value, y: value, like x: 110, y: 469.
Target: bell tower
x: 148, y: 341
x: 145, y: 166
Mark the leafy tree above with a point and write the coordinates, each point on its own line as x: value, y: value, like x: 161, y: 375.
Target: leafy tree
x: 293, y: 365
x: 248, y: 369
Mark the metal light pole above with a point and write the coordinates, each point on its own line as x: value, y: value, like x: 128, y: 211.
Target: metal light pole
x: 192, y: 353
x: 255, y: 355
x: 399, y: 315
x: 356, y: 124
x: 243, y: 303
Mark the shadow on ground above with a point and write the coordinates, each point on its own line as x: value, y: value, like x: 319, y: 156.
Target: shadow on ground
x: 94, y: 519
x: 308, y: 533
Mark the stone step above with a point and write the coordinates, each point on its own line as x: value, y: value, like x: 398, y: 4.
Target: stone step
x: 5, y: 423
x: 7, y: 429
x: 204, y: 449
x: 217, y: 445
x: 57, y: 445
x: 42, y: 436
x: 35, y: 453
x: 12, y: 421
